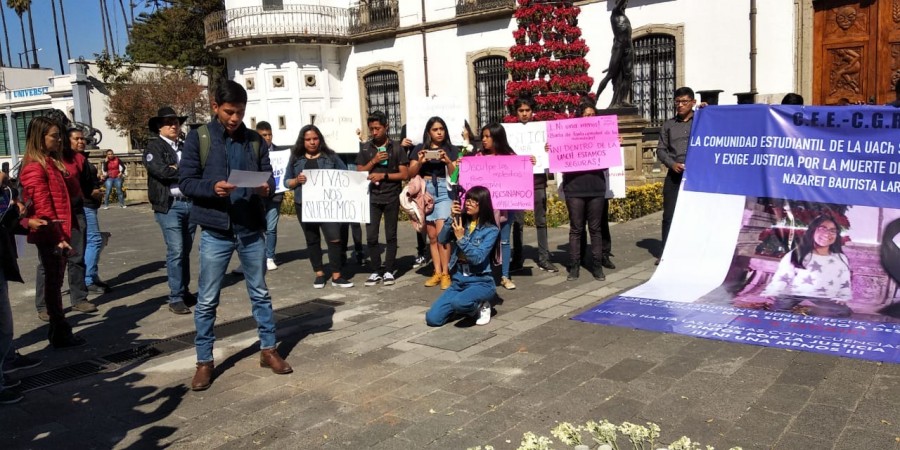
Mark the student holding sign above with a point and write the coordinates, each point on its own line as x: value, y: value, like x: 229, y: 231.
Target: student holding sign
x: 525, y: 113
x: 311, y: 152
x: 585, y: 194
x: 494, y: 142
x: 436, y: 158
x: 387, y: 165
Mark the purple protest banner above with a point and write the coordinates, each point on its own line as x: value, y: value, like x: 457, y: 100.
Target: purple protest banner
x: 586, y: 143
x: 509, y: 178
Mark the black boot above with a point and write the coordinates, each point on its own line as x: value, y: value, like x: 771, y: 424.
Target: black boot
x: 573, y: 272
x: 598, y: 273
x: 61, y: 336
x: 606, y: 262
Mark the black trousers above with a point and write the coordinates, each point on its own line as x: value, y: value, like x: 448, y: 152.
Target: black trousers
x: 390, y: 212
x: 585, y: 210
x: 335, y: 241
x: 670, y: 198
x: 604, y: 233
x: 74, y: 265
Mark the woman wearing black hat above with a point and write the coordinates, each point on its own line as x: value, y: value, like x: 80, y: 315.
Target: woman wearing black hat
x: 171, y: 208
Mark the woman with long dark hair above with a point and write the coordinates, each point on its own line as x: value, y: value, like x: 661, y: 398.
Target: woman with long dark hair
x: 585, y: 194
x: 311, y: 152
x: 44, y: 187
x: 436, y: 161
x: 471, y: 234
x: 495, y: 143
x: 817, y: 268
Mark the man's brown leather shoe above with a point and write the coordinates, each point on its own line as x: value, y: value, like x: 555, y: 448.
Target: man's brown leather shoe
x: 203, y: 376
x: 271, y: 359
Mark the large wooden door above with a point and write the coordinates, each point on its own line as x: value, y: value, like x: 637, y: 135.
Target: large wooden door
x: 856, y: 50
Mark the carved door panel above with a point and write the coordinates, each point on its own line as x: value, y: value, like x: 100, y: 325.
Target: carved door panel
x: 889, y: 50
x: 845, y: 53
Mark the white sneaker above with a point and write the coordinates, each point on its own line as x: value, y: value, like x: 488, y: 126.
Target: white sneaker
x: 388, y: 279
x: 374, y: 279
x: 124, y: 206
x: 106, y: 207
x: 238, y: 270
x: 270, y: 264
x: 484, y: 314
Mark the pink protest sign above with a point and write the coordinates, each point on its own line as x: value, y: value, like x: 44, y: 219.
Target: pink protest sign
x: 586, y: 143
x: 509, y: 178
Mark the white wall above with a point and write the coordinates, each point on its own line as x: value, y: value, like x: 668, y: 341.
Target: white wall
x: 295, y: 101
x: 716, y: 54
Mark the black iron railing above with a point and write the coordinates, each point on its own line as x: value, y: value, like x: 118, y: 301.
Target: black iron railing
x: 374, y: 16
x: 252, y: 22
x: 466, y: 7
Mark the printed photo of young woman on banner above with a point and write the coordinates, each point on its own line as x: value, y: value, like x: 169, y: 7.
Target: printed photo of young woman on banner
x: 787, y: 235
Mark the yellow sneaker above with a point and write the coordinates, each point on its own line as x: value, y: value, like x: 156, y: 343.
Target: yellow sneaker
x: 446, y: 281
x: 507, y: 283
x: 433, y: 281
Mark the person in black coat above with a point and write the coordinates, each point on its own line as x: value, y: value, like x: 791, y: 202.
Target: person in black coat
x: 170, y: 206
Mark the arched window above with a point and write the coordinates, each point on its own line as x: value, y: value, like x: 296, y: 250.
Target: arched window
x: 490, y: 89
x: 654, y: 76
x: 383, y: 94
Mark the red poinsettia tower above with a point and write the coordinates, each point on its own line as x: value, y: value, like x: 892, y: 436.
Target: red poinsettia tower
x: 548, y: 60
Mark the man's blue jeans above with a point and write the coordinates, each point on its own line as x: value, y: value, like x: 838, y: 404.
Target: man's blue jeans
x: 92, y: 246
x: 273, y: 212
x: 462, y: 297
x: 114, y: 183
x: 215, y: 254
x: 178, y: 233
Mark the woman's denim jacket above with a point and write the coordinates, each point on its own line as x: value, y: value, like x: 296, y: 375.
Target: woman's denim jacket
x: 296, y: 165
x: 477, y: 246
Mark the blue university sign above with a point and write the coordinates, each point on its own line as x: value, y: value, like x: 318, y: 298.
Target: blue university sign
x: 29, y: 92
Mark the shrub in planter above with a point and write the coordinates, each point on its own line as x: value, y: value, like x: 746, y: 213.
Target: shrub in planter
x: 638, y: 202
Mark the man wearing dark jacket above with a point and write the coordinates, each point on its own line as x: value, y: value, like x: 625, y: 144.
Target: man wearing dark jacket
x: 233, y: 219
x: 170, y: 206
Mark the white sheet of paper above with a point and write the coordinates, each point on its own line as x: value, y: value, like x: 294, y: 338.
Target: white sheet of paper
x: 248, y: 179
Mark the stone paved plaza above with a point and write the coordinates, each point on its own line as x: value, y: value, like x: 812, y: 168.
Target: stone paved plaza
x: 368, y: 372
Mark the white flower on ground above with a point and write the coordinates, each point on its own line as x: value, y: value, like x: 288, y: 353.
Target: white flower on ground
x: 603, y: 432
x: 567, y: 434
x: 530, y: 441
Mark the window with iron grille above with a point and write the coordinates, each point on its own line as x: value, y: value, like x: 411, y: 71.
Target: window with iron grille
x: 654, y: 77
x: 490, y: 89
x: 383, y: 94
x: 272, y: 5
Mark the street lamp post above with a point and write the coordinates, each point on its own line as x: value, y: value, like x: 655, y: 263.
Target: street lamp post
x: 28, y: 50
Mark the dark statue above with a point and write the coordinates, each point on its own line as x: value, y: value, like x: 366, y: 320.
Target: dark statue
x: 621, y: 60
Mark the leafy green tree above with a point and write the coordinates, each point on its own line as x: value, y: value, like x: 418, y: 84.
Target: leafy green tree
x: 173, y: 35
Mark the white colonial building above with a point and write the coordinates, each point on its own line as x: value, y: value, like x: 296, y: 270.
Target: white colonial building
x: 301, y: 58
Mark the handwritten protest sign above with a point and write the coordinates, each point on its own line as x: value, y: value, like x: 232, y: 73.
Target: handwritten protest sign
x: 338, y: 127
x: 529, y: 139
x: 507, y: 177
x: 335, y: 196
x: 279, y: 160
x: 419, y: 109
x: 585, y: 143
x: 615, y: 184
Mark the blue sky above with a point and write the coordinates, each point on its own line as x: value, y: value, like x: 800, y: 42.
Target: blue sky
x: 84, y: 25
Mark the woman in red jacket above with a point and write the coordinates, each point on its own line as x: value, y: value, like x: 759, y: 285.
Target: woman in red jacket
x: 44, y: 188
